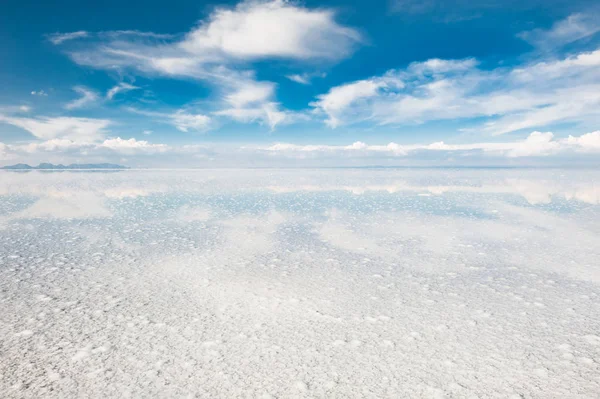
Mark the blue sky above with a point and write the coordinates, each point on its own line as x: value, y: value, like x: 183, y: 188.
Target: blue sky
x: 270, y: 82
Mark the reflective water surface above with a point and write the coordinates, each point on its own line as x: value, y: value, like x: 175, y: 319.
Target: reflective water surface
x: 300, y: 283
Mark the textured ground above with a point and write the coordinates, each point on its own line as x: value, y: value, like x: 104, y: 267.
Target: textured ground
x: 300, y: 283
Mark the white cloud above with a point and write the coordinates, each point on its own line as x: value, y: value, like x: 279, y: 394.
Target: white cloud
x: 120, y: 88
x: 39, y: 93
x: 252, y: 106
x: 266, y: 29
x: 87, y: 97
x: 46, y: 128
x: 251, y: 102
x: 340, y: 98
x: 302, y: 79
x: 132, y: 145
x: 182, y: 119
x: 537, y: 148
x: 134, y: 33
x: 185, y: 121
x: 575, y: 27
x: 251, y: 93
x: 54, y: 145
x: 589, y: 142
x: 305, y: 78
x: 86, y: 149
x: 531, y: 96
x: 58, y: 38
x: 440, y: 66
x: 4, y: 152
x: 267, y: 113
x: 356, y: 147
x: 212, y: 51
x: 535, y: 145
x: 15, y: 109
x: 579, y: 65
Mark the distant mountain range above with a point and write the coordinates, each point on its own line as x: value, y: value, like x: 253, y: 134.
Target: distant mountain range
x: 49, y: 166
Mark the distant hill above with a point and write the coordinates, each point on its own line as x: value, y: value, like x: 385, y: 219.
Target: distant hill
x: 49, y: 166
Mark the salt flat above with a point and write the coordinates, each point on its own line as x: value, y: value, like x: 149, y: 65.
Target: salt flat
x: 300, y: 283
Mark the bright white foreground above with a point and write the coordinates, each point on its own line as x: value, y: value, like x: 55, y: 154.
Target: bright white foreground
x: 300, y: 283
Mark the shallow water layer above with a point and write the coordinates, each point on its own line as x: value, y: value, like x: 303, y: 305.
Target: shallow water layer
x: 300, y: 283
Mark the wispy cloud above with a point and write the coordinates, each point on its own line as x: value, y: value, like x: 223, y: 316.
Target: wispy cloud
x: 449, y: 11
x: 305, y: 78
x: 134, y: 33
x: 46, y: 128
x: 339, y: 99
x: 58, y: 38
x: 14, y: 109
x: 530, y: 96
x: 575, y: 27
x: 87, y: 97
x: 183, y: 120
x: 186, y: 122
x: 267, y: 113
x: 120, y: 88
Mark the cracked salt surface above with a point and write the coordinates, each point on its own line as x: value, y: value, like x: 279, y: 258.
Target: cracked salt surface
x: 300, y: 283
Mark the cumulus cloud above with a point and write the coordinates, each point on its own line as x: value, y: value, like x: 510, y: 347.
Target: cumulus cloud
x: 266, y: 29
x: 530, y: 96
x: 213, y: 51
x: 536, y: 144
x: 589, y: 142
x: 87, y: 97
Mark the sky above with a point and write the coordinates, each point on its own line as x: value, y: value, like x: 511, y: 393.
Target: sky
x: 276, y: 83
